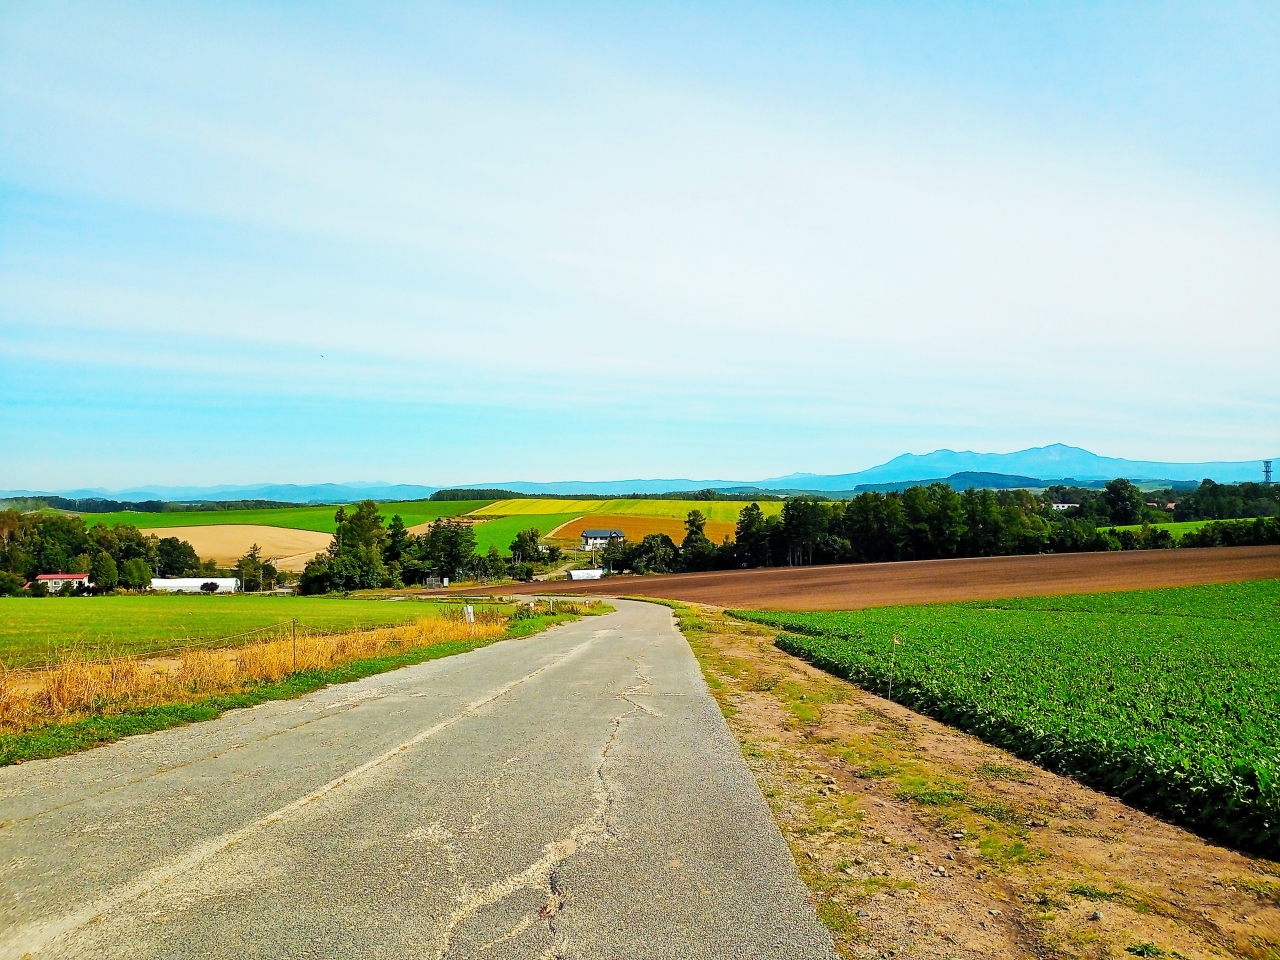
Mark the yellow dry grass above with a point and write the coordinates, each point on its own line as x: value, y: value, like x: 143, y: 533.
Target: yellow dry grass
x: 227, y: 543
x: 76, y: 688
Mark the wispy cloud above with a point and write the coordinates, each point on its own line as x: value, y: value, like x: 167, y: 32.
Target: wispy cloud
x: 465, y: 219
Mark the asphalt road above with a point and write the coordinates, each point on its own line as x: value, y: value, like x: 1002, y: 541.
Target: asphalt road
x: 573, y: 794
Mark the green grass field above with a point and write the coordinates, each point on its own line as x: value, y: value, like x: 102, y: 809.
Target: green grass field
x: 1177, y: 529
x: 34, y: 631
x: 502, y: 531
x: 1166, y: 698
x: 720, y: 510
x: 295, y: 518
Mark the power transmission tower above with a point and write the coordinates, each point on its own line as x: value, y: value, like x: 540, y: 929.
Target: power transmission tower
x: 1266, y: 471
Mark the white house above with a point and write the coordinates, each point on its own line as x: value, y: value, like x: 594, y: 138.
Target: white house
x: 599, y: 539
x: 195, y: 584
x: 1065, y: 506
x: 55, y: 581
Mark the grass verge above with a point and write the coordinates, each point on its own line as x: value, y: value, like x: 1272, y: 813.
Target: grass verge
x: 918, y: 840
x: 61, y: 738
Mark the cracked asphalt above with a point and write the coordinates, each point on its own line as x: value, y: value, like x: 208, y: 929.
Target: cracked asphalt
x: 573, y: 794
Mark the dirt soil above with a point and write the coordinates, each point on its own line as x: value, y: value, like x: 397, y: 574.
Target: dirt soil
x: 854, y: 586
x: 227, y: 543
x: 920, y: 841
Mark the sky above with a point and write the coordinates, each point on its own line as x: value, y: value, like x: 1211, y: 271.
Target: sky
x: 439, y: 243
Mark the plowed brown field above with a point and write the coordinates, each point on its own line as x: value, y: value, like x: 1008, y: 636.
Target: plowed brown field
x: 851, y: 587
x: 636, y: 529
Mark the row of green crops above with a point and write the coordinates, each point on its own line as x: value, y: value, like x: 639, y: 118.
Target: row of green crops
x: 1169, y: 699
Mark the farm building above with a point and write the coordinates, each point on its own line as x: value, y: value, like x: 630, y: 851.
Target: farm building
x: 589, y: 574
x: 195, y: 584
x: 1065, y: 506
x: 56, y: 581
x: 599, y: 539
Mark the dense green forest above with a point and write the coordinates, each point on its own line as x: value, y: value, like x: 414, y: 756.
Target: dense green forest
x: 1229, y: 501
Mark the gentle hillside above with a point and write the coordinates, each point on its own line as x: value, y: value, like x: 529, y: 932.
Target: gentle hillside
x: 718, y: 510
x: 319, y: 518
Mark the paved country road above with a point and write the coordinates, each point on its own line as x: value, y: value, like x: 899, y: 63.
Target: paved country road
x: 571, y: 794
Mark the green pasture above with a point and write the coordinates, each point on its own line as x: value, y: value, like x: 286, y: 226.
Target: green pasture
x: 718, y: 510
x: 1177, y: 529
x: 295, y: 518
x: 502, y: 531
x: 36, y: 630
x: 1165, y: 698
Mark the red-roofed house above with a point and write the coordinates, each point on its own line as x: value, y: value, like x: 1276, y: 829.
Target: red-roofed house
x: 54, y: 581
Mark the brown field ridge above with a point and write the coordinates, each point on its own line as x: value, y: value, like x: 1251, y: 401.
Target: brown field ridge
x: 854, y: 586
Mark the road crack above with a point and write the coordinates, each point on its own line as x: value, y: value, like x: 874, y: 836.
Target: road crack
x: 543, y: 874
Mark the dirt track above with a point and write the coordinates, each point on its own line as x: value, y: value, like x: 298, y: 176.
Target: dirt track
x: 850, y: 587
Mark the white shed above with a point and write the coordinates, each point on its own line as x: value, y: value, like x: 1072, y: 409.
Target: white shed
x: 195, y: 584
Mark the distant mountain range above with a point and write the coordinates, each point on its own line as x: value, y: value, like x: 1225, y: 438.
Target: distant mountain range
x: 1037, y: 466
x: 1055, y: 461
x: 281, y: 492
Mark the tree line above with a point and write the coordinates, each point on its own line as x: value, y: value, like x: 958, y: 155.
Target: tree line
x: 368, y: 552
x: 120, y: 556
x: 930, y: 522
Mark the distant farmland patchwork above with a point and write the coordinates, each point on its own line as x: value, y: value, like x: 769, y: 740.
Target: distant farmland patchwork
x: 291, y: 535
x: 501, y: 531
x: 725, y: 511
x: 636, y: 528
x: 319, y: 518
x: 1166, y: 698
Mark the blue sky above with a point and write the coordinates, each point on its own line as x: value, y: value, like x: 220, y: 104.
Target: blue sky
x: 457, y: 243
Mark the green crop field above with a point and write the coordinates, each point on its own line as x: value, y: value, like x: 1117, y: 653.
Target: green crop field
x: 1169, y: 699
x: 502, y: 531
x: 37, y: 630
x: 720, y: 510
x: 1177, y: 529
x: 295, y: 518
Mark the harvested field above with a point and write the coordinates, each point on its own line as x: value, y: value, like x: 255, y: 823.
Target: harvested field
x: 226, y: 543
x: 855, y: 586
x: 636, y: 529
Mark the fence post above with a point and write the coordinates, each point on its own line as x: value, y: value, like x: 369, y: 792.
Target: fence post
x: 294, y: 624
